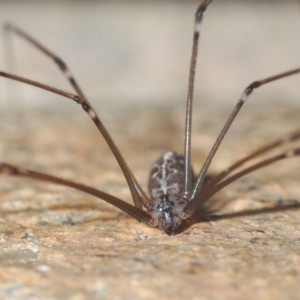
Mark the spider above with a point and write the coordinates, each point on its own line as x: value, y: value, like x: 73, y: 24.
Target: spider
x: 175, y: 193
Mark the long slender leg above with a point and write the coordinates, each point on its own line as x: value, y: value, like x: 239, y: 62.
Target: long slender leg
x: 61, y: 64
x: 189, y: 104
x: 136, y: 213
x: 138, y: 195
x: 209, y: 193
x: 194, y: 200
x: 273, y: 145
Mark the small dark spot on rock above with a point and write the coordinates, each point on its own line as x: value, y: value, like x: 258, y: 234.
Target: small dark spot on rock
x: 140, y: 237
x: 280, y: 201
x: 42, y: 223
x: 25, y: 236
x: 66, y: 223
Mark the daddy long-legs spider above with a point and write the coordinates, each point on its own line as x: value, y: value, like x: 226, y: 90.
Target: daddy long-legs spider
x: 175, y: 193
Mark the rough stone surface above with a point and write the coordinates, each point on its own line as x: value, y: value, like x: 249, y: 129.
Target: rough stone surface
x: 58, y: 243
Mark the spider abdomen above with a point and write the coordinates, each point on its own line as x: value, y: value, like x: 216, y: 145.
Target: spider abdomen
x: 167, y: 192
x: 167, y: 175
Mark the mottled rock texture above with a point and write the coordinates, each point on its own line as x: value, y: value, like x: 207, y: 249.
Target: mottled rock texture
x: 57, y: 243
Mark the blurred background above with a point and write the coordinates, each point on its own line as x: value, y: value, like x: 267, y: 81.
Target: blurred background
x: 138, y: 52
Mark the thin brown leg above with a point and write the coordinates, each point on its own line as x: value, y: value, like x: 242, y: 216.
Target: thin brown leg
x: 202, y: 198
x: 273, y: 145
x: 194, y: 200
x: 189, y: 104
x: 138, y: 195
x: 61, y: 64
x: 136, y: 213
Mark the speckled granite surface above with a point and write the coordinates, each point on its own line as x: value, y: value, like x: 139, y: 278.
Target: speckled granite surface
x: 57, y: 243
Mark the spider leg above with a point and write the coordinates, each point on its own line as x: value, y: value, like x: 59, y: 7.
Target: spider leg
x: 136, y: 213
x: 209, y: 193
x: 193, y: 199
x: 61, y: 64
x: 292, y: 137
x: 189, y: 103
x: 138, y: 195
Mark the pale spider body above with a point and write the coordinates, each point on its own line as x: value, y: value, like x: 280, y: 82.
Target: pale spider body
x: 166, y: 188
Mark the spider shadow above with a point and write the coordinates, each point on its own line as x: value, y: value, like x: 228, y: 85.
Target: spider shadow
x: 207, y: 214
x: 74, y: 211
